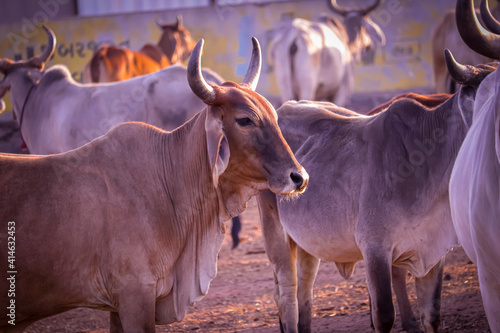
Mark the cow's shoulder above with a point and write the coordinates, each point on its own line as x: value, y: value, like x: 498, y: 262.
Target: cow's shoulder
x: 301, y: 120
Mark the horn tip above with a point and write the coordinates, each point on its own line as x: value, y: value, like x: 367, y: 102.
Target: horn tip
x: 255, y: 43
x: 48, y: 30
x: 449, y: 57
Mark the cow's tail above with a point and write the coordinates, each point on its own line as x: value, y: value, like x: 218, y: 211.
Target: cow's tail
x: 282, y: 51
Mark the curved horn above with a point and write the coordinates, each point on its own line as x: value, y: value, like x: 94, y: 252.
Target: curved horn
x: 473, y: 34
x: 337, y: 9
x: 178, y: 22
x: 253, y: 72
x: 458, y: 72
x: 196, y: 81
x: 489, y: 20
x: 42, y: 59
x: 367, y: 10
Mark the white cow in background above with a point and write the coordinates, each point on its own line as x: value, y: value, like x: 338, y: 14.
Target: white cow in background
x: 315, y: 60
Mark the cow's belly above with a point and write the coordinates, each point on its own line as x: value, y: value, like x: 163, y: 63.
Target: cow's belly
x: 424, y: 239
x: 326, y: 239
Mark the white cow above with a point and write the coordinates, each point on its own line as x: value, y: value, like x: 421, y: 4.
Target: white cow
x: 475, y: 181
x: 56, y: 114
x: 315, y: 60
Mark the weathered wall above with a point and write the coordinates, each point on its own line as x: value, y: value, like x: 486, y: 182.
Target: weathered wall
x: 404, y: 63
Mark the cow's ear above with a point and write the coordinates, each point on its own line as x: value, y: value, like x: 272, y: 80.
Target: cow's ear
x: 217, y: 145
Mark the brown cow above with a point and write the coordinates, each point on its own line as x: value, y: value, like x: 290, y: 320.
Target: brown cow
x: 135, y: 228
x: 112, y: 63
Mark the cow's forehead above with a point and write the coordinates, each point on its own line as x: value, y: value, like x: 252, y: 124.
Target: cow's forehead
x: 240, y: 95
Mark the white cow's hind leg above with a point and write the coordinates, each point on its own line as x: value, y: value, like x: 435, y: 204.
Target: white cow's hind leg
x: 490, y: 292
x: 429, y: 297
x: 344, y: 90
x: 378, y: 274
x: 307, y: 268
x: 282, y: 253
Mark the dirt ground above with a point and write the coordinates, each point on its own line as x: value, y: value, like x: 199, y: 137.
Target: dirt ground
x: 240, y: 298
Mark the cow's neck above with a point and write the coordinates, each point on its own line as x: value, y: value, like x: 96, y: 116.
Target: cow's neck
x: 186, y: 174
x: 235, y: 195
x: 22, y: 90
x: 193, y: 214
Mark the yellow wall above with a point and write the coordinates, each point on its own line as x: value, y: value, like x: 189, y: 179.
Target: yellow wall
x: 405, y: 62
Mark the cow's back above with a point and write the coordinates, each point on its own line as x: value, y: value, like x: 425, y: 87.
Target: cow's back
x: 111, y: 63
x: 75, y: 114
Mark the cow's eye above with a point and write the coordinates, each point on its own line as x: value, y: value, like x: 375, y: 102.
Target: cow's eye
x: 245, y: 121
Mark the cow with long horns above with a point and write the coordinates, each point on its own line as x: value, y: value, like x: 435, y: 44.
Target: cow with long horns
x: 56, y: 114
x: 112, y: 63
x: 446, y: 36
x: 315, y: 60
x: 135, y: 229
x: 475, y: 180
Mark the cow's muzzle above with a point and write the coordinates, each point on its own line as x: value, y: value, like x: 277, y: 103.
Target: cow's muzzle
x: 300, y: 179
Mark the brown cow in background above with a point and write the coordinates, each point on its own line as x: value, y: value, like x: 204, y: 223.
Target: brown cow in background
x: 112, y: 63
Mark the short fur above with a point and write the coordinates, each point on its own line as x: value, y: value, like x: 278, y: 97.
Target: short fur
x: 378, y: 191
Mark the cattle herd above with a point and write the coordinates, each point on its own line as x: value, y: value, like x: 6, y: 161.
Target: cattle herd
x: 122, y: 202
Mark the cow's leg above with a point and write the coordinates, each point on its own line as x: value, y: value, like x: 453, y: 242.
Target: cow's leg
x: 490, y: 292
x: 115, y: 324
x: 136, y: 309
x: 307, y: 268
x: 235, y: 231
x: 408, y: 319
x: 409, y: 322
x: 343, y: 92
x: 429, y: 297
x: 378, y: 273
x: 282, y: 253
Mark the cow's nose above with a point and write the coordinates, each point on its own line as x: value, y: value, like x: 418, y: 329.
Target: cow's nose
x: 300, y: 180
